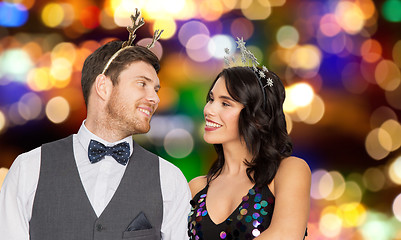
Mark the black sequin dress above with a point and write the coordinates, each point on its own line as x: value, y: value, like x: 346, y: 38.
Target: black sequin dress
x: 249, y: 219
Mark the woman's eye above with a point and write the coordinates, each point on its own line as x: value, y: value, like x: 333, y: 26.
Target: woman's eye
x: 142, y: 84
x: 225, y: 104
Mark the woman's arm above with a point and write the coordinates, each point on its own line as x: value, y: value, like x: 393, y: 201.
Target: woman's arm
x: 291, y: 188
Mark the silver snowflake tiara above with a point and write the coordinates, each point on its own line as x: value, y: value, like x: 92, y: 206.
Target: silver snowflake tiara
x: 132, y: 29
x: 246, y: 58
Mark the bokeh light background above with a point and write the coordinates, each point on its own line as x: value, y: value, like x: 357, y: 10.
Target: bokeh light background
x: 340, y: 61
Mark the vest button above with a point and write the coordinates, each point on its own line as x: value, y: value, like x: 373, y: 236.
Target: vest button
x: 99, y: 227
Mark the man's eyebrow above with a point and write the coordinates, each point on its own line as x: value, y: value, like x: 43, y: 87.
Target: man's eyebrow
x: 149, y: 80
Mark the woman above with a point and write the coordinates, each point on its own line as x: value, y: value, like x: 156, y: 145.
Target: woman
x: 255, y: 189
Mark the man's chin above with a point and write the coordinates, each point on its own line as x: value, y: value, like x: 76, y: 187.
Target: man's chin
x: 142, y: 130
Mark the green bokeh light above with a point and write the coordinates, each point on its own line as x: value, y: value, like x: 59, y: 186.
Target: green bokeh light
x: 391, y: 10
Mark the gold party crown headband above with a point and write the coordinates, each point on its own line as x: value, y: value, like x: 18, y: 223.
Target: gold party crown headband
x: 132, y: 29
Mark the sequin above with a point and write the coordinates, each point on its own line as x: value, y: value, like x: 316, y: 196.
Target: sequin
x: 258, y: 197
x: 255, y: 223
x: 255, y: 215
x: 252, y: 191
x: 245, y: 205
x: 239, y: 217
x: 248, y: 219
x: 223, y: 235
x: 263, y: 212
x: 256, y: 206
x: 202, y: 204
x: 245, y: 198
x: 255, y: 232
x: 243, y: 212
x: 204, y: 213
x: 263, y: 203
x: 200, y: 200
x: 203, y: 195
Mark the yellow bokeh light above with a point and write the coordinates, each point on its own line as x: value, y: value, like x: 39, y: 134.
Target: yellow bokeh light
x: 394, y: 171
x: 338, y: 185
x: 306, y: 57
x: 373, y: 145
x: 287, y: 36
x: 353, y: 214
x: 393, y: 129
x: 57, y: 109
x: 39, y: 79
x: 52, y: 14
x: 210, y: 10
x: 231, y: 4
x: 60, y: 72
x: 317, y: 110
x: 325, y: 185
x: 330, y: 225
x: 397, y: 53
x: 352, y: 193
x: 2, y: 121
x: 350, y: 17
x: 256, y: 10
x: 298, y: 95
x: 385, y: 139
x: 374, y: 179
x: 388, y: 75
x: 169, y: 26
x: 64, y: 50
x: 173, y: 6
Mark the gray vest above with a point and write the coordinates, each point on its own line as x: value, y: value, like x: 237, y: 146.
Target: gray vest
x: 62, y: 211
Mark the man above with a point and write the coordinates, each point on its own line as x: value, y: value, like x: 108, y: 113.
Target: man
x: 99, y: 183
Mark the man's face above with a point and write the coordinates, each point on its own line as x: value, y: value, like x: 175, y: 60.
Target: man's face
x: 134, y: 99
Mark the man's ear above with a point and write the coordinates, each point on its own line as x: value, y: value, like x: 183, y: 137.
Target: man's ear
x: 103, y: 86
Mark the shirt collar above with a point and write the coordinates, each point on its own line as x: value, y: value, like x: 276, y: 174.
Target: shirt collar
x: 84, y: 137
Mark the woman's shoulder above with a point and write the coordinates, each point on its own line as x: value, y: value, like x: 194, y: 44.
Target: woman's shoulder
x: 294, y: 163
x: 293, y: 169
x: 197, y: 184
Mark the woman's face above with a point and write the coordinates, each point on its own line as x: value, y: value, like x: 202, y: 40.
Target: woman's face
x: 221, y: 114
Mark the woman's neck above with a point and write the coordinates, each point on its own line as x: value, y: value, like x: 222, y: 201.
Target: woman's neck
x: 235, y: 154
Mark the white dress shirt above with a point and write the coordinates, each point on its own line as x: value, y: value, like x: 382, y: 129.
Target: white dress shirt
x: 100, y: 181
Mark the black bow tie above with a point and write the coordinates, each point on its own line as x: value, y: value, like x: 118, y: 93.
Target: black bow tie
x: 97, y: 151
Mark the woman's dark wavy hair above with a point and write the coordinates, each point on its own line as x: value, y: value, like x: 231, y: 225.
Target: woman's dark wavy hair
x: 261, y: 123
